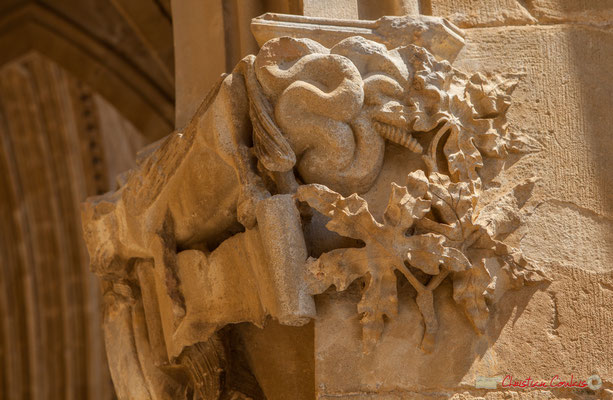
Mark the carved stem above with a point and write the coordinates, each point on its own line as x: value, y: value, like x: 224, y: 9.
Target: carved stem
x: 425, y: 304
x: 430, y: 157
x: 420, y: 287
x: 437, y: 279
x: 411, y: 278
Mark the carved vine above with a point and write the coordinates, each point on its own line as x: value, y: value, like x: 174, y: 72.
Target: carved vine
x: 431, y: 223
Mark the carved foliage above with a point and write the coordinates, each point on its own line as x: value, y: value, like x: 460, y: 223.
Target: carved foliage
x: 387, y: 248
x: 431, y: 224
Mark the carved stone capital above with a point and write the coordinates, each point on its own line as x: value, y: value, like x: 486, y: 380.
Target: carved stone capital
x: 345, y: 154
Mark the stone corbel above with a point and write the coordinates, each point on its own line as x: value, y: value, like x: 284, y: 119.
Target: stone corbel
x: 231, y: 219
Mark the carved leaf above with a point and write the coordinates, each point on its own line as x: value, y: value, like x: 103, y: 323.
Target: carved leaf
x: 479, y: 113
x: 453, y: 216
x: 463, y: 157
x: 339, y: 267
x: 490, y: 94
x: 387, y: 248
x: 349, y: 216
x: 428, y: 251
x: 404, y: 209
x: 380, y: 298
x: 471, y: 109
x: 429, y: 91
x: 469, y: 291
x: 453, y: 205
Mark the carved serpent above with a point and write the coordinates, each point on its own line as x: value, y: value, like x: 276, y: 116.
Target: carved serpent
x: 335, y: 107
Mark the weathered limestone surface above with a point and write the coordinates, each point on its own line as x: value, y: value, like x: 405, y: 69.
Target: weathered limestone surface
x: 467, y: 13
x: 438, y: 224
